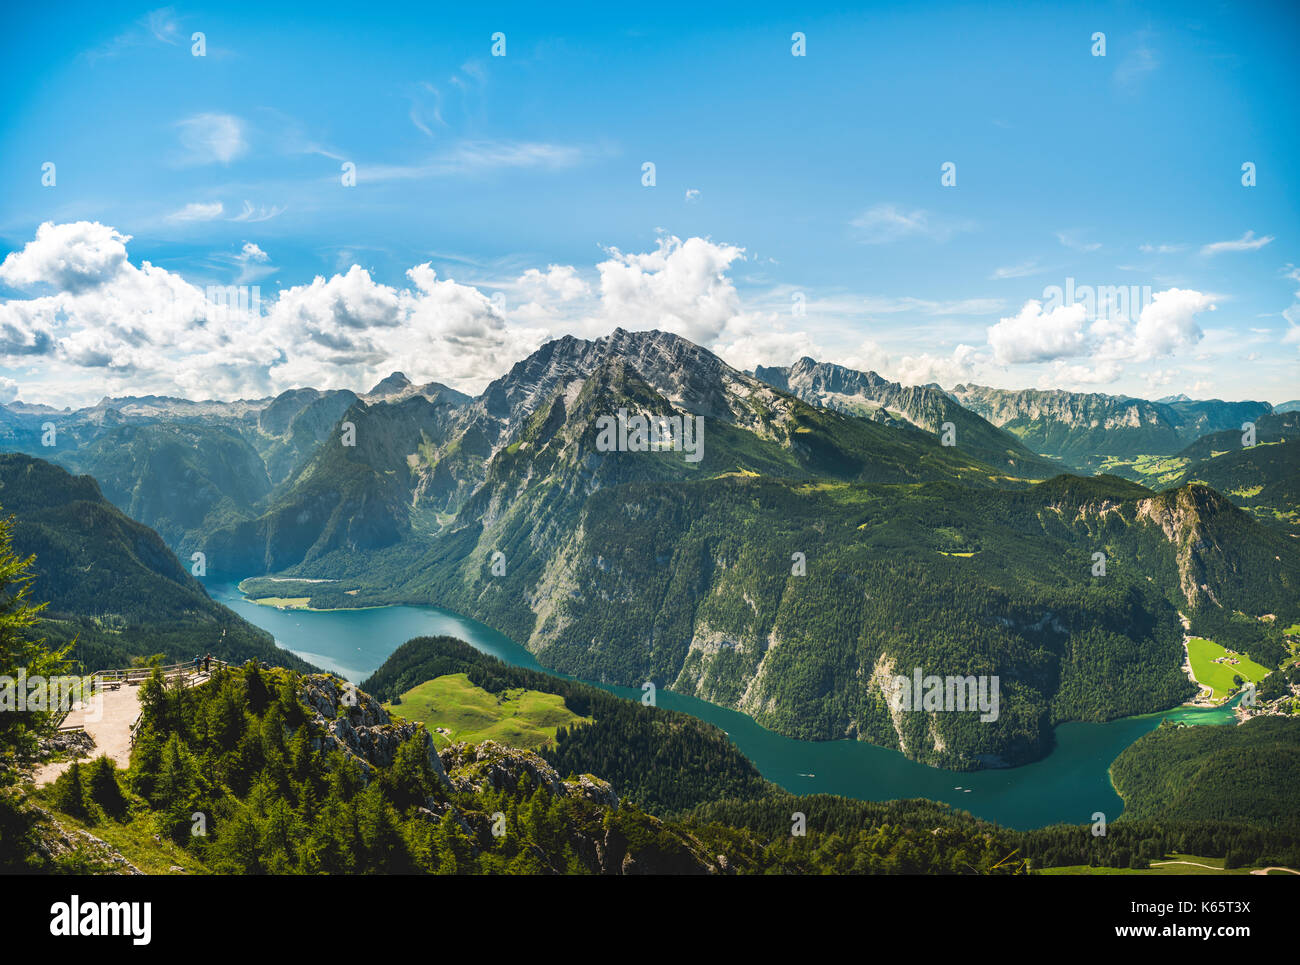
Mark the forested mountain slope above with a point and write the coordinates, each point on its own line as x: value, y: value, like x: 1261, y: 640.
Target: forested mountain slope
x: 110, y: 582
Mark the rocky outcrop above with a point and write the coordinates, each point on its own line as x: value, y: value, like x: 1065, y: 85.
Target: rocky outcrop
x: 76, y: 744
x: 476, y: 767
x: 53, y: 841
x: 357, y: 725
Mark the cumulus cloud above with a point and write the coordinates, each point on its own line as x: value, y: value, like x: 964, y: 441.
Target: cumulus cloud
x: 99, y: 323
x: 145, y: 329
x: 1164, y: 325
x: 947, y: 370
x: 253, y: 263
x: 73, y: 257
x: 753, y: 340
x: 141, y: 328
x: 1169, y: 323
x: 560, y: 281
x: 1032, y: 335
x: 680, y: 287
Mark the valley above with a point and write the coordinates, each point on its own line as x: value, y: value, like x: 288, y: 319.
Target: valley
x: 1049, y: 791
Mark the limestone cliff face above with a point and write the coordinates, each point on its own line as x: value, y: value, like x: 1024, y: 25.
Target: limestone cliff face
x: 927, y: 407
x: 1183, y: 516
x: 1074, y: 409
x: 1089, y: 425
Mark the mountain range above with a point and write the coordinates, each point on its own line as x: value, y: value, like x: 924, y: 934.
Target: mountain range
x: 827, y: 540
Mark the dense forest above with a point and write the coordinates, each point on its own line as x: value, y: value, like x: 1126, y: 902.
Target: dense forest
x: 242, y: 775
x: 1246, y: 774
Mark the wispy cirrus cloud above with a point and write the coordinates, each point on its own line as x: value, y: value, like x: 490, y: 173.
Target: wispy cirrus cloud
x: 1150, y: 249
x: 156, y: 26
x: 1071, y: 239
x: 211, y: 138
x: 1022, y: 270
x: 1247, y: 242
x: 1135, y: 65
x: 253, y: 213
x: 426, y: 108
x: 198, y: 211
x: 876, y: 305
x: 475, y: 157
x: 885, y: 223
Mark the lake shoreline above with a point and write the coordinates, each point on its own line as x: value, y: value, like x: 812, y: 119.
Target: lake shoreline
x: 355, y: 641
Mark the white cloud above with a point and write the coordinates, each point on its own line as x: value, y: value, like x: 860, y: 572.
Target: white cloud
x: 1033, y: 335
x: 559, y: 281
x: 1070, y: 239
x: 251, y: 252
x: 99, y: 324
x: 145, y: 329
x: 1022, y: 270
x: 1292, y: 312
x: 252, y: 213
x: 680, y: 287
x: 73, y: 257
x: 755, y: 340
x: 198, y: 211
x: 887, y: 223
x: 1140, y: 61
x: 163, y: 26
x: 1080, y: 376
x: 880, y: 305
x: 472, y: 157
x: 949, y: 370
x: 1169, y: 323
x: 212, y: 138
x: 1163, y: 327
x: 253, y: 263
x: 692, y: 194
x: 1247, y: 242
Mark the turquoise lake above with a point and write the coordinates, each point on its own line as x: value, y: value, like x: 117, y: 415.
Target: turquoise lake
x: 1066, y: 786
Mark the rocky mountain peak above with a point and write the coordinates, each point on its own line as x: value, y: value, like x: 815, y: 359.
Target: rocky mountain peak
x: 394, y: 384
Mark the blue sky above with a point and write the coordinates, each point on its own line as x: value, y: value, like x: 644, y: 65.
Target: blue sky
x: 499, y: 199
